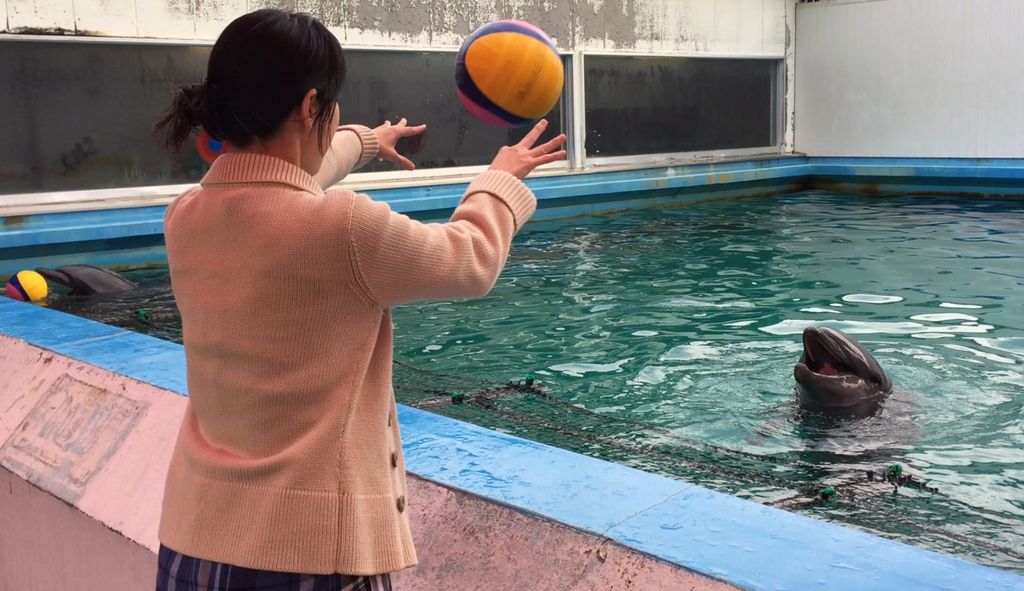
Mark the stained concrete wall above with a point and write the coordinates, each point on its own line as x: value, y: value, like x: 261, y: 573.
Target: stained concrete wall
x: 913, y: 78
x: 724, y: 27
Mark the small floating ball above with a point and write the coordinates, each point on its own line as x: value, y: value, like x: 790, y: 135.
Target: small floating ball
x: 27, y: 286
x: 208, y: 147
x: 509, y: 73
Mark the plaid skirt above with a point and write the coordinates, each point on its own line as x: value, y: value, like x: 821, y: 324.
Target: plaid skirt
x: 177, y: 572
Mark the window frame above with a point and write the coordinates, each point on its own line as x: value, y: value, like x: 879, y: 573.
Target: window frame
x: 778, y: 97
x: 573, y: 123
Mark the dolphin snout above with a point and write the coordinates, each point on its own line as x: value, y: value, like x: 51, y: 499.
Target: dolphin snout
x: 801, y: 372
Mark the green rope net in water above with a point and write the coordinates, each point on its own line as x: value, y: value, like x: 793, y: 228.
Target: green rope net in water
x: 526, y: 407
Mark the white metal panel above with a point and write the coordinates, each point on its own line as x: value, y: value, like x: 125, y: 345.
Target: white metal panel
x: 692, y: 27
x: 108, y: 18
x: 3, y: 15
x: 773, y: 26
x: 926, y: 78
x: 750, y: 28
x: 713, y: 27
x: 727, y: 17
x: 213, y: 15
x: 44, y: 15
x: 166, y: 19
x: 408, y: 23
x: 701, y: 25
x: 789, y: 126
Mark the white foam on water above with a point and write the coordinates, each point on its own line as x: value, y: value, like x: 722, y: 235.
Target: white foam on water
x: 695, y: 303
x: 967, y: 306
x: 603, y: 307
x: 744, y: 248
x: 790, y: 327
x: 694, y: 350
x: 645, y: 333
x: 870, y: 298
x: 430, y: 348
x: 1007, y: 377
x: 943, y: 317
x: 931, y: 335
x: 982, y: 354
x: 578, y: 370
x: 1011, y: 345
x: 653, y: 374
x: 741, y: 323
x: 820, y: 311
x: 836, y: 305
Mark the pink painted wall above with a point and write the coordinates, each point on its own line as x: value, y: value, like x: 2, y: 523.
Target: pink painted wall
x: 48, y: 545
x: 84, y: 454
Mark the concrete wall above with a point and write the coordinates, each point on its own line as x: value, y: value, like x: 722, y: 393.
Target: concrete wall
x: 725, y: 27
x: 914, y: 78
x: 83, y: 457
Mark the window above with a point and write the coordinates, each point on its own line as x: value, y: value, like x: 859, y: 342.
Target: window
x: 79, y: 115
x: 424, y: 92
x: 651, y: 105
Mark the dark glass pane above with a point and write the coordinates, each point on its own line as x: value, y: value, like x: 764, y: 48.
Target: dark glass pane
x: 421, y: 87
x: 651, y: 105
x: 80, y: 115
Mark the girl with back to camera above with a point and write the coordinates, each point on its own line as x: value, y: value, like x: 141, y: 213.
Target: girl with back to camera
x: 288, y: 471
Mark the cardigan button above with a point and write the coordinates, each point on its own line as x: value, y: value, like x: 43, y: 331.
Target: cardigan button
x: 401, y: 503
x: 394, y: 460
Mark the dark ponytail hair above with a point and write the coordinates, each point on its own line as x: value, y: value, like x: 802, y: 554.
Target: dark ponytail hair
x: 261, y: 66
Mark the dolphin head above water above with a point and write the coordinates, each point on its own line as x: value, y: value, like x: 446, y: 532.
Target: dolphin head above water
x: 837, y: 376
x: 87, y: 279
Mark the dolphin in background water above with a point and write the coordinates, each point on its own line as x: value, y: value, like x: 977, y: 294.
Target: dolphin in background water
x: 837, y: 376
x: 87, y: 280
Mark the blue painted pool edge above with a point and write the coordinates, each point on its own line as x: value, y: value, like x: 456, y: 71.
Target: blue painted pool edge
x: 749, y: 545
x: 589, y: 191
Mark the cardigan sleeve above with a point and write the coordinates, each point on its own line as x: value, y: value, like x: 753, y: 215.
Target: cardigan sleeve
x: 398, y: 260
x: 352, y: 147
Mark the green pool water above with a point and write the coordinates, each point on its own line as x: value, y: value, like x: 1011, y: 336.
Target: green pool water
x: 666, y: 338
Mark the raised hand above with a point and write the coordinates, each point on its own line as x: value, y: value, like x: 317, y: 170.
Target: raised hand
x: 388, y: 136
x: 520, y: 159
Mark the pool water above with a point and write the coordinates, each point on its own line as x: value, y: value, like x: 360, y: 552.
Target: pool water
x: 666, y: 338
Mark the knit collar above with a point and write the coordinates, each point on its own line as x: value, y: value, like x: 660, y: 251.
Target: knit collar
x: 234, y: 168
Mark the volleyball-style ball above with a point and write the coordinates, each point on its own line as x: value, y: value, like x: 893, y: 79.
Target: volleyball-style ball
x: 208, y: 147
x: 27, y: 286
x: 508, y: 73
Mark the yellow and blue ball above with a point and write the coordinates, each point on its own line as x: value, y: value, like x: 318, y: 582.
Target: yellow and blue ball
x: 27, y: 286
x: 509, y: 73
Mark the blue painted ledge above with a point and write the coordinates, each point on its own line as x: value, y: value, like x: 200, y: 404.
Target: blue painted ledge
x: 749, y: 545
x: 574, y: 194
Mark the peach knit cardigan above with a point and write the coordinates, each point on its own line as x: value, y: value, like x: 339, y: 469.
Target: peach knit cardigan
x: 289, y: 456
